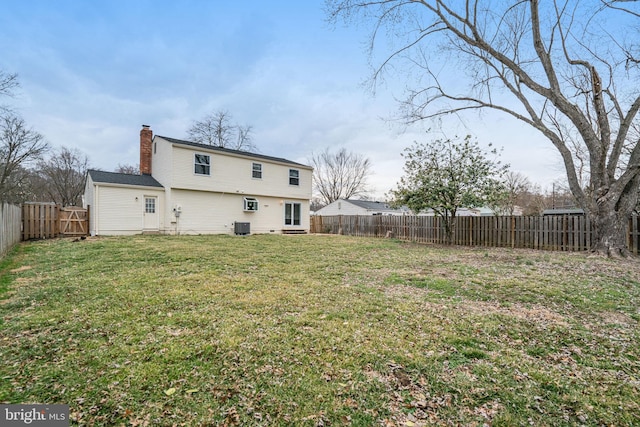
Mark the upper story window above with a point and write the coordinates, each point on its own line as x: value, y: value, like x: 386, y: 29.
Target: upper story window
x: 294, y: 177
x: 202, y: 164
x: 257, y: 170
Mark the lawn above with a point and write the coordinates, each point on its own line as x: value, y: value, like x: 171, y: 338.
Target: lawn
x: 318, y: 331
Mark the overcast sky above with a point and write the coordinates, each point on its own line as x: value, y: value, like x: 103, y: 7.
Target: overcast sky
x: 92, y: 73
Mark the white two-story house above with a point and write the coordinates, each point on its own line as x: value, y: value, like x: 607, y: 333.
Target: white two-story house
x: 190, y: 188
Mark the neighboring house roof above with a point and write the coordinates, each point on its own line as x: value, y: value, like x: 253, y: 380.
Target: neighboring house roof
x: 564, y: 211
x: 359, y: 207
x: 123, y: 178
x: 234, y: 152
x: 371, y: 206
x: 480, y: 211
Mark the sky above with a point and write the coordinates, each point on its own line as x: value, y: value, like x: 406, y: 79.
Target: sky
x: 91, y: 73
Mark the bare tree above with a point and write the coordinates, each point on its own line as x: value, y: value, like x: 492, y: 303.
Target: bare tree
x: 128, y: 169
x: 64, y: 175
x: 19, y: 147
x: 340, y: 175
x: 21, y: 186
x: 218, y: 129
x: 316, y: 204
x: 559, y: 67
x: 8, y: 82
x: 244, y: 138
x: 534, y: 201
x: 516, y: 187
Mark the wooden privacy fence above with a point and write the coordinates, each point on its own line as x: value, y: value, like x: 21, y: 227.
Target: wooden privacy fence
x: 558, y: 233
x: 10, y: 222
x: 48, y: 220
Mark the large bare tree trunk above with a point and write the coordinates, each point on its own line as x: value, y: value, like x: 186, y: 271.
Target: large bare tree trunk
x: 611, y: 230
x: 610, y: 215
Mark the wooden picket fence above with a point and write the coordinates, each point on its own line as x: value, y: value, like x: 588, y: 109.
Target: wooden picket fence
x: 556, y: 233
x: 48, y: 220
x: 10, y: 219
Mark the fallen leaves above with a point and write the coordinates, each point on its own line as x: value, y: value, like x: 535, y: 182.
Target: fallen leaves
x: 149, y: 331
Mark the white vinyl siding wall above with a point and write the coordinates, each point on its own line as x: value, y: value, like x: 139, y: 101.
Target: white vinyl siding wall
x: 162, y: 161
x: 216, y: 213
x: 230, y: 174
x: 161, y: 171
x: 342, y: 207
x: 116, y: 211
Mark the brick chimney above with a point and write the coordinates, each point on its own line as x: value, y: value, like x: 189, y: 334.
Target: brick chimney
x: 146, y: 135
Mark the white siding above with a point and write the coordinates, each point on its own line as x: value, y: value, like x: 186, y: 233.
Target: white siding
x: 161, y: 164
x: 233, y: 174
x: 119, y: 210
x: 215, y: 213
x: 211, y: 204
x: 342, y: 207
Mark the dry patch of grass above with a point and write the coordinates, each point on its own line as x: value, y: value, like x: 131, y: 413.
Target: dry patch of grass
x: 319, y: 330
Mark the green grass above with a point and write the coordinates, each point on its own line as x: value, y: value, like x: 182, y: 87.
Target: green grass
x: 318, y: 330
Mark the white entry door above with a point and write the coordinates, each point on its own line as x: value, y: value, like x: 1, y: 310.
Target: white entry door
x: 151, y: 213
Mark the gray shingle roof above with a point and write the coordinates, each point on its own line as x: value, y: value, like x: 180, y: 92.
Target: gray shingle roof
x: 375, y: 206
x: 369, y: 205
x: 123, y: 178
x: 230, y: 151
x: 563, y: 211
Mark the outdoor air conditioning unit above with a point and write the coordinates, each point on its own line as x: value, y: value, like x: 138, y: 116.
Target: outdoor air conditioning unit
x: 242, y: 228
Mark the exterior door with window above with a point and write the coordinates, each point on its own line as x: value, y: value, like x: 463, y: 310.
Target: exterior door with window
x: 151, y: 213
x: 292, y: 214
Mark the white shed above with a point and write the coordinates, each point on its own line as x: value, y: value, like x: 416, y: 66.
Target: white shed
x: 123, y: 204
